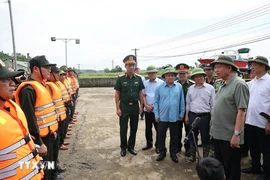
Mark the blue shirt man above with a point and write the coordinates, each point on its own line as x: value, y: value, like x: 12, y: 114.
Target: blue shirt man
x: 169, y: 108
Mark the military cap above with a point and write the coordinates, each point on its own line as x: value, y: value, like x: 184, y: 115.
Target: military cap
x: 151, y: 69
x: 182, y: 68
x: 40, y: 61
x: 222, y: 59
x: 5, y: 73
x: 64, y: 68
x: 130, y: 59
x: 208, y: 66
x: 70, y: 69
x: 197, y: 71
x: 261, y: 60
x: 62, y: 72
x: 169, y: 70
x: 55, y: 69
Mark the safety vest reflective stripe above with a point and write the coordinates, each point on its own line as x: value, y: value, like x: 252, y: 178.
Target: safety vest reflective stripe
x: 22, y: 142
x: 57, y: 100
x: 8, y: 174
x: 61, y: 113
x: 45, y: 115
x: 48, y: 124
x: 44, y: 107
x: 17, y: 164
x: 8, y: 156
x: 30, y: 175
x: 58, y: 107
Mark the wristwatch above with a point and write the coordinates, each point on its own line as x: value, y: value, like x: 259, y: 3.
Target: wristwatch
x: 237, y: 133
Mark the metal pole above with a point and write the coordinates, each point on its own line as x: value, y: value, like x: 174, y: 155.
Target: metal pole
x: 13, y: 38
x: 66, y: 50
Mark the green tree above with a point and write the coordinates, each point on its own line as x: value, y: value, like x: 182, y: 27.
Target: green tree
x: 107, y: 70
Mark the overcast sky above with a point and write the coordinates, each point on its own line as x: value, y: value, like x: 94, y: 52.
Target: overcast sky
x: 109, y: 29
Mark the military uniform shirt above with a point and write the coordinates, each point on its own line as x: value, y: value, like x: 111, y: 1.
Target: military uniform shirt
x: 231, y: 97
x: 185, y: 86
x: 129, y: 87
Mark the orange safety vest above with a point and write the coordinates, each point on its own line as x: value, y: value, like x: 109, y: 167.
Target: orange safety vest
x: 58, y: 101
x: 16, y: 146
x: 73, y: 83
x: 44, y: 108
x: 71, y: 87
x: 67, y: 85
x: 64, y: 91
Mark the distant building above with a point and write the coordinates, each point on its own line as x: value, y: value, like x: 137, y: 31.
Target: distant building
x: 20, y: 64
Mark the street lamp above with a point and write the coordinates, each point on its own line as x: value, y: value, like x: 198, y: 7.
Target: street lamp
x: 66, y: 40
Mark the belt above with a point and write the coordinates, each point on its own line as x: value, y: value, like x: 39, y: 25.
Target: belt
x: 130, y: 102
x: 200, y: 114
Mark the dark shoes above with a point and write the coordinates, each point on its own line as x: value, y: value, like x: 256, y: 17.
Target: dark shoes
x: 146, y: 147
x: 60, y: 169
x: 123, y: 152
x: 191, y: 159
x: 132, y: 151
x: 157, y: 150
x: 161, y: 156
x: 174, y: 158
x: 263, y: 177
x: 251, y: 170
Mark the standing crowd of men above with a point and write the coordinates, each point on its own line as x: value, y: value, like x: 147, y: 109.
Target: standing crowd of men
x: 224, y: 106
x: 36, y: 115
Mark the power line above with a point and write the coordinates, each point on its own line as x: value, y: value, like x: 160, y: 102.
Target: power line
x: 253, y: 40
x: 255, y: 13
x: 217, y: 37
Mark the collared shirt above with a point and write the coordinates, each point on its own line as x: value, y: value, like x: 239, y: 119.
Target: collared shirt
x: 149, y: 90
x: 200, y: 99
x: 129, y: 87
x: 232, y: 96
x: 169, y: 102
x: 259, y: 101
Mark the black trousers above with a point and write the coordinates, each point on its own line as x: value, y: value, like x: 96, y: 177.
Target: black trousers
x: 61, y: 130
x: 245, y: 147
x: 149, y: 122
x: 259, y: 143
x: 129, y: 113
x: 48, y: 141
x: 229, y: 157
x: 203, y: 127
x: 174, y: 139
x: 186, y: 145
x: 55, y: 152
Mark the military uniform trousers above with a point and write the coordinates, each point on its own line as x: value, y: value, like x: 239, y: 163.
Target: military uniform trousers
x: 129, y: 112
x: 181, y: 124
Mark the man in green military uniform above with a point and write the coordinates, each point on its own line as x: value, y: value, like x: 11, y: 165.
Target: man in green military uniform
x: 128, y: 91
x: 182, y: 70
x: 209, y: 70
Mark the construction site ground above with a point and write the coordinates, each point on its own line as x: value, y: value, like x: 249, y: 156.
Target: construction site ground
x: 94, y: 152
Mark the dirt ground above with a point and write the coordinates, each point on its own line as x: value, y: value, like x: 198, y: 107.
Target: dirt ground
x: 94, y: 152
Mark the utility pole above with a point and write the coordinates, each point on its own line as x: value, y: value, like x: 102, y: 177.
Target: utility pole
x: 112, y: 64
x: 79, y: 67
x: 13, y: 37
x: 136, y: 54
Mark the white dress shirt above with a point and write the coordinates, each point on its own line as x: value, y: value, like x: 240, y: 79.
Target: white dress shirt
x: 259, y: 101
x: 149, y: 90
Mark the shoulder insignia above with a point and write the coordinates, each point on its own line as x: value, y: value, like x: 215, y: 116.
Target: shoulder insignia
x: 138, y: 75
x: 121, y: 75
